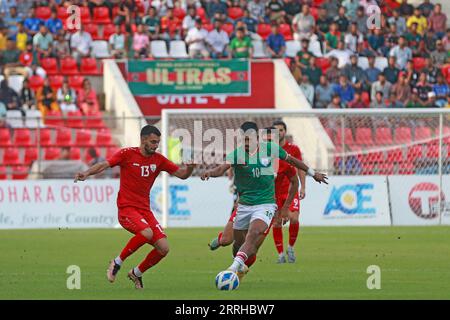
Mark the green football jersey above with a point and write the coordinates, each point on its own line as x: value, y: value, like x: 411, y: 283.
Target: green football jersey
x: 254, y: 173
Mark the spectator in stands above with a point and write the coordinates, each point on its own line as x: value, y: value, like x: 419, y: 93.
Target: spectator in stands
x: 354, y: 39
x: 87, y: 98
x: 324, y: 93
x: 391, y: 71
x: 398, y: 21
x: 355, y: 74
x: 401, y: 89
x: 127, y: 10
x: 426, y: 7
x: 332, y: 7
x: 312, y: 71
x: 332, y: 37
x: 54, y: 24
x: 117, y: 43
x: 414, y: 100
x: 431, y: 70
x: 412, y: 76
x: 152, y: 23
x: 27, y: 96
x: 276, y: 11
x: 341, y: 20
x: 401, y: 52
x: 413, y: 37
x: 307, y: 89
x: 421, y: 50
x: 439, y: 56
x: 391, y: 37
x: 32, y: 24
x: 335, y: 103
x: 381, y: 85
x: 218, y: 41
x: 10, y: 60
x: 215, y: 6
x: 196, y: 40
x: 371, y: 72
x: 42, y: 43
x: 303, y: 24
x: 376, y: 41
x: 419, y: 19
x: 67, y: 98
x: 3, y: 38
x: 64, y: 154
x: 393, y: 102
x: 423, y: 87
x: 344, y: 90
x: 323, y: 23
x: 276, y: 46
x: 141, y: 43
x: 303, y: 55
x: 170, y: 26
x: 446, y: 40
x: 357, y: 102
x: 60, y: 46
x: 361, y: 20
x: 81, y: 44
x: 431, y: 101
x: 9, y: 97
x: 405, y: 8
x: 21, y: 37
x: 291, y: 8
x: 438, y: 21
x: 12, y: 20
x: 256, y: 9
x: 27, y: 57
x: 241, y: 46
x: 378, y: 102
x: 249, y: 22
x: 96, y: 158
x: 333, y: 73
x: 442, y: 90
x: 342, y: 54
x: 46, y: 98
x: 189, y: 20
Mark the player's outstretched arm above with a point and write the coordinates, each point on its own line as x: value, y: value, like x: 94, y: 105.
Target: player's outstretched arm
x: 95, y: 169
x: 319, y: 177
x: 216, y: 172
x: 184, y: 172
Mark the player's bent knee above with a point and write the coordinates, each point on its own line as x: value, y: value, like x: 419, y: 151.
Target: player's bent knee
x: 163, y: 251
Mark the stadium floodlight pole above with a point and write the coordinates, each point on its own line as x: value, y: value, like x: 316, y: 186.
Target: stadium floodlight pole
x: 441, y: 138
x: 165, y: 176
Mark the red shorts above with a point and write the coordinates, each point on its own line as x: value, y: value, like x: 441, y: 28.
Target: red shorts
x: 135, y: 220
x: 295, y: 204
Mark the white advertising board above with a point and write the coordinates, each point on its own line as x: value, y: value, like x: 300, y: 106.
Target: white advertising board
x: 415, y: 200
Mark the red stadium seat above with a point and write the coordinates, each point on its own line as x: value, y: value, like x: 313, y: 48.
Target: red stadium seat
x: 92, y: 29
x: 31, y: 154
x: 406, y: 167
x: 89, y: 67
x: 235, y: 13
x: 433, y: 150
x: 50, y: 65
x: 43, y: 13
x: 52, y: 153
x: 208, y: 27
x: 414, y: 152
x: 318, y: 3
x: 75, y: 119
x: 94, y: 120
x: 140, y: 6
x: 83, y: 138
x: 314, y: 12
x: 365, y: 98
x: 85, y: 15
x: 35, y: 82
x: 419, y: 63
x: 201, y: 13
x: 22, y: 138
x: 103, y: 138
x: 5, y: 137
x: 56, y: 82
x: 394, y: 155
x: 179, y: 13
x: 421, y: 133
x: 228, y: 28
x: 375, y: 157
x: 101, y: 16
x: 364, y: 136
x: 45, y: 137
x: 285, y: 30
x: 11, y: 156
x: 264, y: 30
x: 63, y: 137
x: 62, y: 13
x: 69, y: 66
x: 3, y: 173
x: 20, y: 173
x: 76, y: 82
x: 323, y: 63
x: 402, y: 135
x: 383, y: 136
x: 348, y: 137
x: 446, y: 72
x: 54, y: 118
x: 108, y: 30
x: 75, y: 153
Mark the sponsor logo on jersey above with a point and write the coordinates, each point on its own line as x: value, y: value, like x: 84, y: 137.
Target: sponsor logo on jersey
x: 265, y: 161
x: 153, y: 167
x: 136, y: 164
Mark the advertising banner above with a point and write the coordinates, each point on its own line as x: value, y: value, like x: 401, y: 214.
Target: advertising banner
x: 415, y: 200
x: 346, y: 201
x: 159, y: 77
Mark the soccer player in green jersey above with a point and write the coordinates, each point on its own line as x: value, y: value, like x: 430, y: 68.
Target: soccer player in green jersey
x: 254, y: 179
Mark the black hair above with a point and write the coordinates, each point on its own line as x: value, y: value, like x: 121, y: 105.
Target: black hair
x: 148, y: 130
x: 249, y: 125
x: 280, y: 123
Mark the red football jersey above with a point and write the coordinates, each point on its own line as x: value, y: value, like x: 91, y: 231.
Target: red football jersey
x: 137, y: 175
x: 284, y: 173
x: 282, y: 181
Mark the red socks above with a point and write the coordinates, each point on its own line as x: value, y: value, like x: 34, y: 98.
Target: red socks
x: 135, y: 243
x: 293, y: 233
x: 278, y: 238
x: 250, y: 261
x: 150, y: 260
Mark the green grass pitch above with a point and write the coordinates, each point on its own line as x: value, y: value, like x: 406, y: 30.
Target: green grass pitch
x: 332, y: 264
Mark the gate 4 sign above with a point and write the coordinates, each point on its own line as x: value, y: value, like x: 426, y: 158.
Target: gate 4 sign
x: 149, y: 78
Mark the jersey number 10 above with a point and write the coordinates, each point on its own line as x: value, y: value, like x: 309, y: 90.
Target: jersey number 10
x: 256, y: 172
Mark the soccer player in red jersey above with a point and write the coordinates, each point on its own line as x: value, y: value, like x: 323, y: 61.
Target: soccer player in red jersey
x: 139, y: 168
x: 281, y: 191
